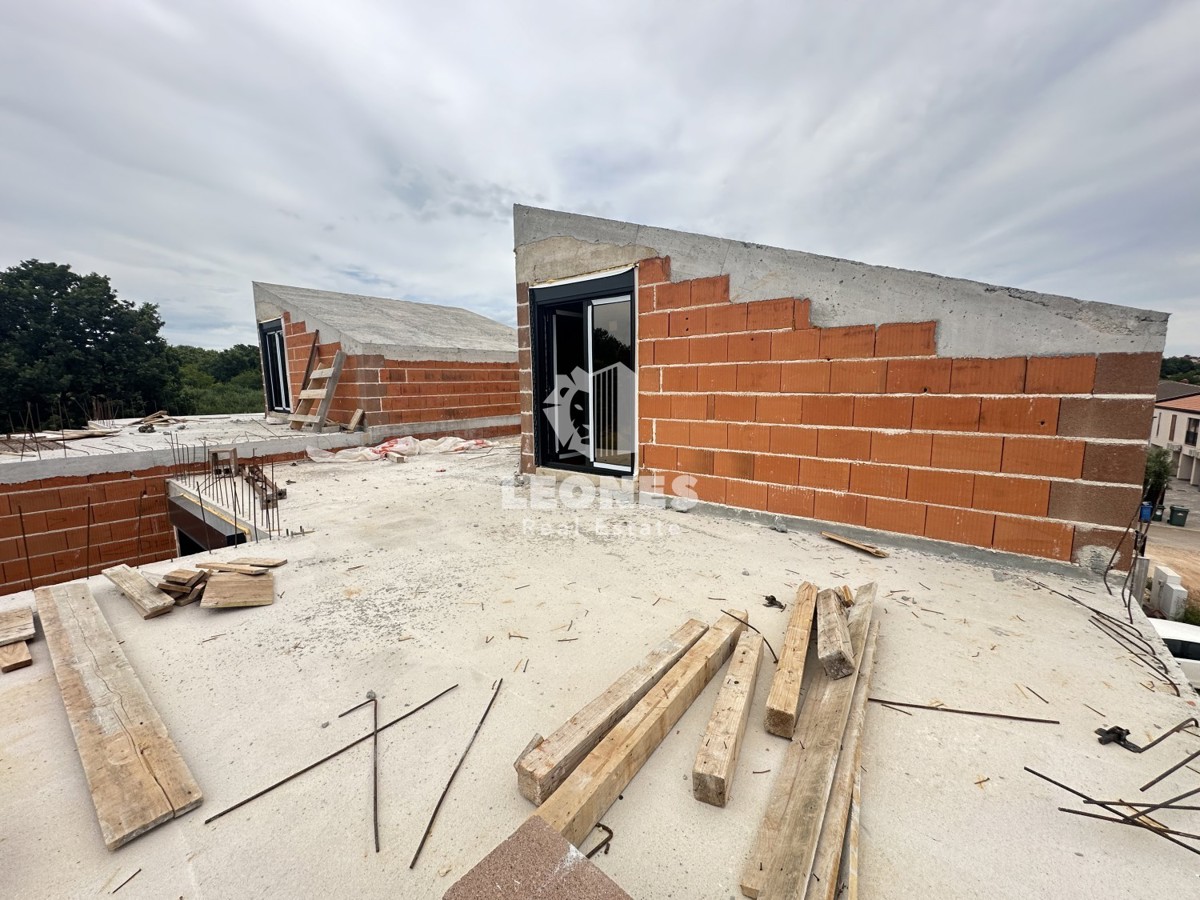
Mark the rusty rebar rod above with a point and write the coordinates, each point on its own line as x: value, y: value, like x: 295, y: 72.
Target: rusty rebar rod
x: 966, y: 712
x: 374, y: 701
x: 1111, y: 809
x: 450, y: 780
x: 330, y: 756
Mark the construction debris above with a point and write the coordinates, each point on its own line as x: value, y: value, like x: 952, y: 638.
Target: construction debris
x: 225, y: 590
x: 865, y: 548
x: 458, y: 765
x: 324, y: 759
x: 546, y: 763
x: 782, y: 856
x: 575, y: 808
x: 147, y: 599
x: 16, y: 625
x: 15, y: 656
x: 716, y: 761
x: 783, y: 703
x: 833, y: 636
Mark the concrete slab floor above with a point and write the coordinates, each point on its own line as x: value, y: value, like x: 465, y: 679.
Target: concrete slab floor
x: 190, y: 430
x: 428, y: 550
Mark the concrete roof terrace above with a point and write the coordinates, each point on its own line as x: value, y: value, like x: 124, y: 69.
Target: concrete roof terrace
x: 413, y: 578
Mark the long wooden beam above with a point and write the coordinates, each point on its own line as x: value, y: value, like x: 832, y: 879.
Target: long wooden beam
x: 137, y: 778
x: 783, y: 703
x: 575, y: 808
x: 823, y: 883
x: 762, y: 851
x: 147, y: 599
x: 824, y: 726
x: 716, y: 761
x: 547, y: 762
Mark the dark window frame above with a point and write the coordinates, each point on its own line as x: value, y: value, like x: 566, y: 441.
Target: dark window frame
x: 542, y: 302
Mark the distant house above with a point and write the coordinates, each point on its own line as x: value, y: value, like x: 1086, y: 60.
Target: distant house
x: 405, y: 367
x: 1173, y: 390
x: 1176, y: 426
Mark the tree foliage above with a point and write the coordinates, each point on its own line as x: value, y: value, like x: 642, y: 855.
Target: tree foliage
x: 66, y: 339
x: 1158, y: 474
x: 219, y: 381
x: 1180, y: 368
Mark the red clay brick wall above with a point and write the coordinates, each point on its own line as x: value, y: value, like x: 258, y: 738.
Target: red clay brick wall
x: 392, y: 392
x: 865, y: 425
x: 55, y: 511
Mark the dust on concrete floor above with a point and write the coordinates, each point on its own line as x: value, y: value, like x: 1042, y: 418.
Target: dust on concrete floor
x: 428, y: 550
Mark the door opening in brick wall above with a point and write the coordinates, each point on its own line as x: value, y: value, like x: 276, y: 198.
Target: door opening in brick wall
x: 584, y: 374
x: 274, y: 363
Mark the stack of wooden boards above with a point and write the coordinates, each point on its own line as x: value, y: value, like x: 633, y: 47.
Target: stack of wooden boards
x: 16, y: 630
x: 799, y: 847
x: 136, y: 776
x: 246, y: 581
x: 575, y: 774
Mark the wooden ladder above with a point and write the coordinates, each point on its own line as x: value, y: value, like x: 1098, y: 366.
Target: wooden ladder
x: 318, y: 389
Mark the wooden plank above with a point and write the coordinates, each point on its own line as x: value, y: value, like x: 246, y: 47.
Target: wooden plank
x: 191, y: 596
x: 820, y: 734
x: 544, y: 765
x: 851, y: 866
x: 16, y: 625
x: 184, y: 577
x: 865, y: 548
x: 313, y: 394
x: 148, y: 600
x: 823, y: 883
x: 575, y: 808
x: 136, y: 776
x: 762, y: 850
x: 303, y: 418
x: 15, y: 656
x: 321, y: 373
x: 833, y: 636
x: 355, y: 420
x: 716, y: 761
x: 783, y: 703
x: 232, y: 567
x: 263, y: 562
x: 225, y: 590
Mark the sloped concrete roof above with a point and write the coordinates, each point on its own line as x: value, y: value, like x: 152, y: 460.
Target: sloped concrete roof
x: 974, y: 319
x: 397, y: 329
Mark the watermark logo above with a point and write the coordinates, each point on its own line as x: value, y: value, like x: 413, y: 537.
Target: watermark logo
x: 606, y: 396
x: 611, y: 501
x: 566, y: 409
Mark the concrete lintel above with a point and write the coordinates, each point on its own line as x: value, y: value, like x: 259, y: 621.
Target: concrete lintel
x: 974, y: 319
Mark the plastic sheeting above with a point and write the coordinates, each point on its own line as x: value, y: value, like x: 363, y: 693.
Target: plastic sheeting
x: 403, y: 446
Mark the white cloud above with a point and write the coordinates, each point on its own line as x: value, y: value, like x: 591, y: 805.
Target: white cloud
x: 378, y: 147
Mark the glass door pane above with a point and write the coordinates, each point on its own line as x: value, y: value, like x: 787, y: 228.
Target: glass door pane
x: 612, y: 380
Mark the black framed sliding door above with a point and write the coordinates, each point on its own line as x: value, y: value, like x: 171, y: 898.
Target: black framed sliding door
x: 274, y: 364
x: 584, y: 364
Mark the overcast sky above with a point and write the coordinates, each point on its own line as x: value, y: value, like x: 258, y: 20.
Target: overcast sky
x: 186, y: 149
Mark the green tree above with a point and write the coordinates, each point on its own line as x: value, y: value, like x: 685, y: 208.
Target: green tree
x: 1180, y: 368
x: 66, y: 339
x: 1158, y: 474
x: 219, y: 381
